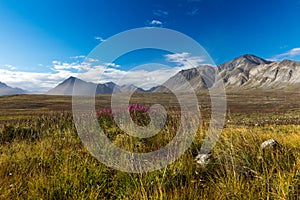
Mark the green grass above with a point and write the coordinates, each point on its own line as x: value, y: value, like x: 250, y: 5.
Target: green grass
x: 42, y: 157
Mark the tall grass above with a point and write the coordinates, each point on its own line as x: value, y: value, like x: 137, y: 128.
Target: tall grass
x: 43, y: 158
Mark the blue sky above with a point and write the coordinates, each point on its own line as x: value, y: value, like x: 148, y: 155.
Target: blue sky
x: 38, y: 35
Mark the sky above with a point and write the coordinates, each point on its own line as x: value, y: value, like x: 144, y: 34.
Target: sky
x: 44, y: 42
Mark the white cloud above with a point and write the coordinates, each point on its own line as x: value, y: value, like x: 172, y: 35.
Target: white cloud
x: 97, y: 73
x: 57, y: 65
x: 185, y: 60
x: 33, y: 81
x: 139, y: 77
x: 177, y: 57
x: 291, y: 54
x: 295, y: 51
x: 154, y: 23
x: 112, y: 65
x: 100, y: 39
x: 78, y: 57
x: 38, y: 82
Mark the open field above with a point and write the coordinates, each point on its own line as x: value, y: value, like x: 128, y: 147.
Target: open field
x: 42, y: 157
x: 249, y: 107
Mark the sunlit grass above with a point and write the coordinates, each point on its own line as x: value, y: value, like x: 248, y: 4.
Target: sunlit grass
x: 42, y: 157
x: 52, y: 163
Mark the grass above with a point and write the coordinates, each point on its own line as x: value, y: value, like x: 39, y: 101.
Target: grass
x: 42, y: 157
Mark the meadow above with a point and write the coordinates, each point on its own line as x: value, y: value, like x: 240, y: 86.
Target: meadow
x: 42, y: 156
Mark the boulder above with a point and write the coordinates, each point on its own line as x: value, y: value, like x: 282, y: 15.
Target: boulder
x: 203, y: 159
x: 270, y: 144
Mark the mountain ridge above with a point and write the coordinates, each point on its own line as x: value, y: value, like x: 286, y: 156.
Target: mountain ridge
x: 87, y: 88
x: 7, y: 90
x: 244, y: 72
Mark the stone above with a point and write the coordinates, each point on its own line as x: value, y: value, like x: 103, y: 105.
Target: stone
x: 269, y: 144
x: 203, y: 159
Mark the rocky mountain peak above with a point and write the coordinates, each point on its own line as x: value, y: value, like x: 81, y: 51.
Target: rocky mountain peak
x: 70, y: 79
x: 249, y: 58
x: 244, y: 61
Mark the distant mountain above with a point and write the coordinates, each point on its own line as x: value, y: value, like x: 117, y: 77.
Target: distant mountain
x: 86, y: 88
x: 64, y: 88
x: 130, y: 88
x: 82, y: 87
x: 247, y: 72
x: 253, y: 72
x: 200, y: 77
x: 110, y: 85
x: 153, y: 89
x: 7, y: 90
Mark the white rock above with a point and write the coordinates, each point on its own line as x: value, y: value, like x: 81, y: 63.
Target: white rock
x: 203, y: 159
x: 269, y: 144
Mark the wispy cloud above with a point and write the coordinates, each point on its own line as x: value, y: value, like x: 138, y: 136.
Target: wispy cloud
x: 291, y: 54
x: 185, y: 60
x: 193, y: 7
x: 78, y: 57
x: 100, y: 39
x: 9, y: 66
x: 160, y: 13
x: 193, y: 12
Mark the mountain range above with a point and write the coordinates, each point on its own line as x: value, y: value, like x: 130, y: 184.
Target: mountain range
x: 252, y: 72
x: 244, y: 72
x: 7, y: 90
x: 66, y: 88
